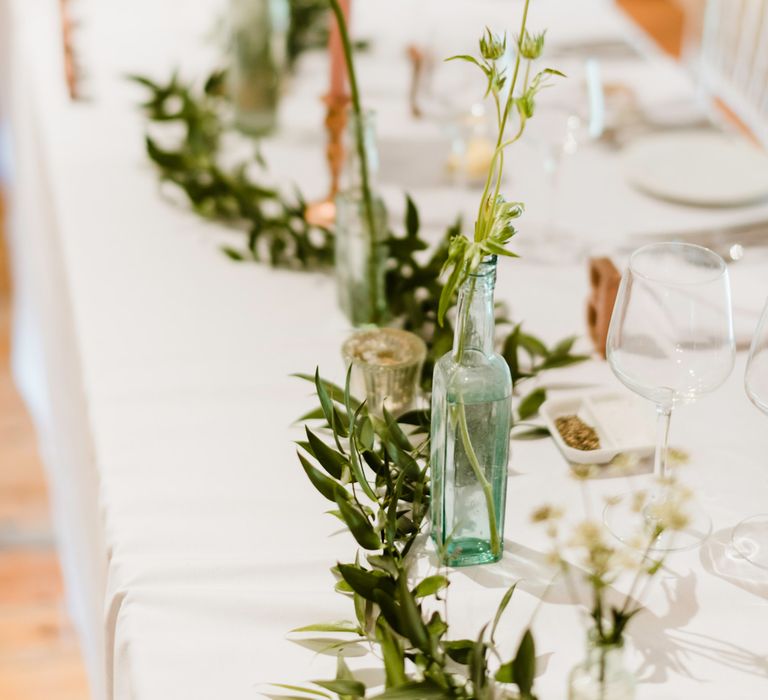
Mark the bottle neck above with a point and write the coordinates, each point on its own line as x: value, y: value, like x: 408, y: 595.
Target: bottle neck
x: 352, y: 174
x: 475, y: 323
x: 274, y: 14
x: 604, y: 660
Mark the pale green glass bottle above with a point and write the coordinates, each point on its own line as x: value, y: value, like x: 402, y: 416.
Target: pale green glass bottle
x: 258, y: 46
x: 471, y: 420
x: 602, y: 675
x: 360, y: 250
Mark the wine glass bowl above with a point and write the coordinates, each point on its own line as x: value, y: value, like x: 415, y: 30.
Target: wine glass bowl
x: 557, y: 134
x: 670, y: 340
x: 756, y: 376
x: 671, y: 334
x: 750, y: 536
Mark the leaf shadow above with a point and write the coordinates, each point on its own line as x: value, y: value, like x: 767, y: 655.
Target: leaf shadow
x: 662, y: 640
x: 533, y: 572
x: 665, y: 644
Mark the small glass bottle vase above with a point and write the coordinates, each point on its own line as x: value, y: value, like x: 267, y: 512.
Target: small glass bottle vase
x: 360, y: 232
x: 602, y: 675
x: 471, y: 416
x: 258, y: 32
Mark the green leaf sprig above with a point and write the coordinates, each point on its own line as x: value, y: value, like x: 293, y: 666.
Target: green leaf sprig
x: 494, y: 225
x: 375, y: 471
x: 274, y: 224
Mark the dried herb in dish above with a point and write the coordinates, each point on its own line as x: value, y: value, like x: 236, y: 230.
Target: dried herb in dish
x: 577, y: 434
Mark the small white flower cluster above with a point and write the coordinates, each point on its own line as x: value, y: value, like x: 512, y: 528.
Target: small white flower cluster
x: 604, y: 559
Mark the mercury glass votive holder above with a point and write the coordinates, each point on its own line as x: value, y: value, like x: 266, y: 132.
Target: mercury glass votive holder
x: 386, y: 367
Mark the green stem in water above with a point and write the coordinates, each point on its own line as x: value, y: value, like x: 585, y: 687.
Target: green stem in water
x: 466, y: 441
x: 484, y: 483
x: 463, y: 320
x: 603, y: 653
x: 360, y: 144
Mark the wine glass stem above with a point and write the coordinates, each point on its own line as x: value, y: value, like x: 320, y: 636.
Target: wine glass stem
x: 660, y: 468
x: 552, y: 168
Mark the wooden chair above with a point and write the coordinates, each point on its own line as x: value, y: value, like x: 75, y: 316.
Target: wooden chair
x: 733, y: 61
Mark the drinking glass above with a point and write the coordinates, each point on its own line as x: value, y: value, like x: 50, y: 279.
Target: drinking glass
x: 557, y: 130
x: 670, y: 340
x: 750, y: 536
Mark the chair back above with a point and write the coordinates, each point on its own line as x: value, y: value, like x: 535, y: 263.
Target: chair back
x: 734, y: 59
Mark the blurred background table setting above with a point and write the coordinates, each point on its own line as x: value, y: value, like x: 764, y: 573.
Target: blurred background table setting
x: 175, y: 179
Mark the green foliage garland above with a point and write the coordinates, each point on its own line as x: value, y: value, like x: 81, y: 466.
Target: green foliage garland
x: 274, y: 224
x: 277, y: 231
x: 308, y: 27
x: 375, y: 473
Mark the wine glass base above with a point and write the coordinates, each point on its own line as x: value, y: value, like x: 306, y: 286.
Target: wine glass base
x: 750, y: 539
x: 631, y: 527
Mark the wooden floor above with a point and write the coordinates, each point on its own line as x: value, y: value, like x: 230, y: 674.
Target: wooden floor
x: 39, y: 657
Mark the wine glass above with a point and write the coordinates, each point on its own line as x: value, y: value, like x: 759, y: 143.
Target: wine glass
x: 670, y: 340
x: 750, y: 536
x: 558, y: 131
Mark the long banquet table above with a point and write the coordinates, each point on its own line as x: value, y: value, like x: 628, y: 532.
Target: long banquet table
x: 157, y: 370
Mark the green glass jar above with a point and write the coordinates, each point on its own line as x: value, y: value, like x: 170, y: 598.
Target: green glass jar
x: 360, y: 234
x: 258, y: 31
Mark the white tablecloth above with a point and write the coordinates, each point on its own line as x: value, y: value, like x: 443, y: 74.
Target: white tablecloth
x: 157, y: 372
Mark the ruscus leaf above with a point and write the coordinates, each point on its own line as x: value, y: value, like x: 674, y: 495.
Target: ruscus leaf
x: 329, y: 488
x: 359, y: 525
x: 530, y: 405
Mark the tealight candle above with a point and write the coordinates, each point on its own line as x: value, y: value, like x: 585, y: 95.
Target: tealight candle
x: 386, y: 367
x: 472, y: 148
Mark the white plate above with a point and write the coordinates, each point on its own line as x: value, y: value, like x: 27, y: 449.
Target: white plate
x: 703, y: 168
x: 624, y: 425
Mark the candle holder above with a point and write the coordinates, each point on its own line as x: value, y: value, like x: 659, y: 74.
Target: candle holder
x: 71, y: 73
x: 417, y: 58
x: 604, y: 281
x: 386, y: 367
x: 472, y: 147
x: 323, y: 212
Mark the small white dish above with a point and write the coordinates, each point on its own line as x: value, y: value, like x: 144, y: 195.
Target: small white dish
x: 623, y: 424
x: 697, y: 167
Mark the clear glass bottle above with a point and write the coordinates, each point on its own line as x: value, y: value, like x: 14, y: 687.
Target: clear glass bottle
x: 258, y: 32
x: 471, y: 420
x: 602, y: 675
x: 360, y: 257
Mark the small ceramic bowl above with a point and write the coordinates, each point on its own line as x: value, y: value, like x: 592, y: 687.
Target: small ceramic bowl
x: 623, y: 424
